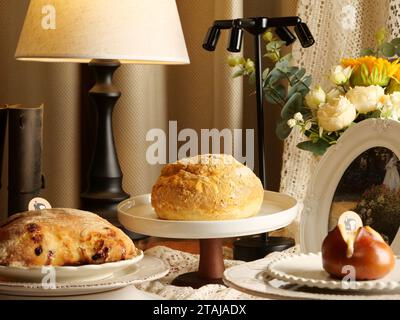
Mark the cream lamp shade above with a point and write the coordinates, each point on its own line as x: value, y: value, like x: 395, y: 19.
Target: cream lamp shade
x: 131, y: 31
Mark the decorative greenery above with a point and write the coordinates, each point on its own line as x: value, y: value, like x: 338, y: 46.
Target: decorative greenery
x: 384, y: 48
x: 284, y: 85
x: 363, y: 88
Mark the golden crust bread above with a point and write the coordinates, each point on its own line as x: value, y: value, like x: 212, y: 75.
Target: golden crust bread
x: 207, y: 187
x: 61, y: 237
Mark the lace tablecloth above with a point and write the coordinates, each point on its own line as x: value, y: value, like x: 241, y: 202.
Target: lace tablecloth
x: 182, y: 262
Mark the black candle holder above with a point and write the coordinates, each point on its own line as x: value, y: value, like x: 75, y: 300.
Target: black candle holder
x: 257, y: 247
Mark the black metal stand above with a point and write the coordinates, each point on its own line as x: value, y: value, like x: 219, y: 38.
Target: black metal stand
x: 260, y: 111
x: 104, y: 188
x: 253, y: 248
x: 257, y: 247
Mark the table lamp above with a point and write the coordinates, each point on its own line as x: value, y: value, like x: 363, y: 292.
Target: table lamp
x: 104, y: 34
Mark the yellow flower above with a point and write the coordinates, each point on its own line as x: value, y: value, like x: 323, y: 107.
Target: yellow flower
x: 234, y: 61
x: 369, y: 71
x: 268, y: 36
x: 394, y: 84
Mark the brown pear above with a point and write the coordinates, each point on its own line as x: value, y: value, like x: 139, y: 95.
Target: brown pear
x: 365, y: 250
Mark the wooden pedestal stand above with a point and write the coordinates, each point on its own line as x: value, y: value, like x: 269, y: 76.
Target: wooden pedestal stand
x: 211, y: 266
x: 137, y: 215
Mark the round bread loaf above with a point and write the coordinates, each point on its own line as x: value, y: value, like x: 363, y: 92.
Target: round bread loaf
x: 61, y: 237
x: 207, y: 187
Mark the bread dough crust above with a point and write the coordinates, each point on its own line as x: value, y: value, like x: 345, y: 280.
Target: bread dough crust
x: 61, y: 237
x: 207, y: 187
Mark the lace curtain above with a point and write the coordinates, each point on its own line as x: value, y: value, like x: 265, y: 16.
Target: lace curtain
x: 341, y: 28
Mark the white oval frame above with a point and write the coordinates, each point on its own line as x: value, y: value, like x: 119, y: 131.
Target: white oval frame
x: 359, y: 138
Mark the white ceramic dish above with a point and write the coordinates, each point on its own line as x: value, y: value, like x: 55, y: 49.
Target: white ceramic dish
x: 307, y: 270
x: 252, y: 278
x: 66, y: 274
x: 277, y: 211
x: 128, y: 293
x: 148, y: 269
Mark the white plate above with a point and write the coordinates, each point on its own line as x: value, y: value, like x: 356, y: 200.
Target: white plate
x: 251, y: 278
x: 277, y: 211
x: 148, y: 269
x: 307, y: 270
x: 66, y: 274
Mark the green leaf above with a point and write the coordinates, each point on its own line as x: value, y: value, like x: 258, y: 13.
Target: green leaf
x: 318, y: 148
x: 274, y: 76
x: 388, y: 49
x: 367, y: 52
x: 302, y: 87
x: 282, y: 65
x: 271, y: 98
x: 275, y: 45
x: 292, y: 71
x: 300, y: 73
x: 375, y: 114
x: 265, y: 73
x: 238, y: 73
x: 398, y: 51
x: 252, y: 78
x: 395, y: 41
x: 273, y: 56
x: 275, y: 94
x: 307, y: 80
x: 283, y: 130
x: 293, y: 105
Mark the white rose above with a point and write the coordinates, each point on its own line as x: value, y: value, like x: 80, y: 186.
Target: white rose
x: 336, y: 115
x: 395, y: 99
x: 315, y: 98
x: 389, y: 106
x: 365, y: 99
x: 333, y: 94
x: 339, y: 75
x: 298, y: 117
x: 291, y: 123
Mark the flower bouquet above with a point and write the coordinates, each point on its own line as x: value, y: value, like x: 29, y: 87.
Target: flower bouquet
x: 364, y: 87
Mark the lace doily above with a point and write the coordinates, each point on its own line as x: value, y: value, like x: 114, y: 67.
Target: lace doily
x: 341, y: 28
x: 182, y: 262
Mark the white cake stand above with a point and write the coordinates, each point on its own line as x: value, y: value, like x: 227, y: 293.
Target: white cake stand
x: 137, y: 215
